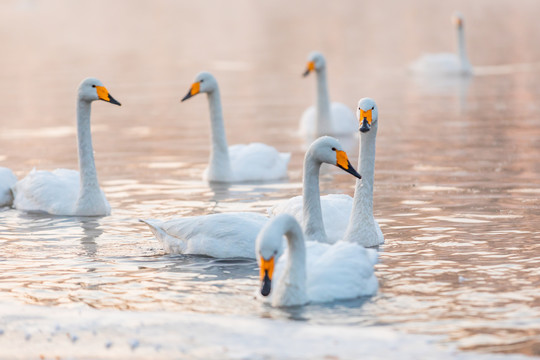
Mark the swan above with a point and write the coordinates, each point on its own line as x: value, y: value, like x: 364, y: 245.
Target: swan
x: 344, y: 217
x: 447, y: 63
x: 229, y: 235
x: 325, y: 118
x: 7, y: 180
x: 311, y: 271
x: 237, y: 163
x: 63, y: 191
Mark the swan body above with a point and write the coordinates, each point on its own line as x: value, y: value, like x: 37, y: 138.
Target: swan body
x: 325, y: 118
x: 344, y: 217
x: 233, y: 234
x: 238, y: 163
x: 68, y: 192
x: 7, y: 180
x: 446, y: 63
x: 311, y: 271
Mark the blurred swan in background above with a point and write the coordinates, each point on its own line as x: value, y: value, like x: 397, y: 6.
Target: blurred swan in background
x: 325, y: 118
x: 311, y: 271
x: 66, y: 192
x: 7, y: 180
x: 447, y: 63
x: 229, y: 235
x: 237, y: 163
x: 344, y: 217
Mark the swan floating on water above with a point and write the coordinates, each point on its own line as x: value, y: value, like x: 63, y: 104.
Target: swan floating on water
x: 229, y: 235
x: 7, y: 180
x: 237, y: 163
x: 344, y: 217
x: 311, y: 271
x: 325, y: 118
x: 66, y: 192
x: 447, y: 63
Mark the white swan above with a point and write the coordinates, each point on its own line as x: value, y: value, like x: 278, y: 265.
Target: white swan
x: 328, y: 272
x: 252, y: 162
x: 7, y: 180
x: 66, y: 192
x: 344, y: 217
x: 325, y: 118
x: 233, y: 234
x: 446, y: 63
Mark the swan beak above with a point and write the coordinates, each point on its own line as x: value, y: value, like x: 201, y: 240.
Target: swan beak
x: 194, y: 90
x: 457, y: 21
x: 365, y: 120
x: 343, y: 163
x: 310, y: 67
x: 104, y: 95
x: 266, y: 272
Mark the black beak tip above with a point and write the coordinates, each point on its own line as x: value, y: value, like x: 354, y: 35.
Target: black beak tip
x: 266, y: 286
x: 306, y: 73
x: 186, y: 97
x: 364, y: 129
x: 114, y: 101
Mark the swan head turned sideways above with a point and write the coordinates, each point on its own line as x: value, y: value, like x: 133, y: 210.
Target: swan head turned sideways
x: 316, y: 62
x: 204, y: 83
x: 367, y: 114
x: 327, y: 149
x: 457, y: 19
x: 92, y: 89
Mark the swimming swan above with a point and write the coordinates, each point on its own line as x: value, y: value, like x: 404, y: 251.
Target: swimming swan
x: 7, y: 180
x: 325, y: 118
x: 311, y: 271
x: 66, y: 192
x: 252, y: 162
x: 344, y: 217
x: 229, y: 235
x: 447, y: 63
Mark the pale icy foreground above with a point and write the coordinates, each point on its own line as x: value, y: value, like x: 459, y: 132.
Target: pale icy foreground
x: 31, y: 332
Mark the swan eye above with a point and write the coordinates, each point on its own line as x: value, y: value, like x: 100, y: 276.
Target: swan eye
x: 202, y: 80
x: 333, y: 149
x: 93, y: 86
x: 373, y: 107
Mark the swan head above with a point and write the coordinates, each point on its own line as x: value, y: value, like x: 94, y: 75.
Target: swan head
x: 457, y: 19
x: 204, y: 83
x: 327, y: 149
x: 315, y: 62
x: 367, y: 114
x: 92, y: 89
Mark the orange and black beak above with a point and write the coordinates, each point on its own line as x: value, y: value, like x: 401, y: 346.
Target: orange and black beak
x: 104, y: 95
x: 194, y: 90
x: 343, y: 162
x: 309, y: 68
x: 365, y: 119
x: 266, y: 272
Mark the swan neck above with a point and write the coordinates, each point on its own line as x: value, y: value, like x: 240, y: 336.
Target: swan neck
x: 87, y: 166
x: 462, y: 50
x: 323, y: 104
x: 362, y: 210
x: 219, y: 153
x: 312, y: 212
x: 295, y: 269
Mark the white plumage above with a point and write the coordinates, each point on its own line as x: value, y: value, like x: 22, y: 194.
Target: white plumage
x: 344, y: 217
x: 238, y: 163
x: 311, y: 271
x: 446, y: 63
x: 233, y: 234
x: 66, y: 192
x: 325, y: 118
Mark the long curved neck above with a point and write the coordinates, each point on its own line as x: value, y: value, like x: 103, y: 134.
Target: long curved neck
x: 312, y: 213
x: 462, y: 51
x: 87, y: 167
x: 323, y: 104
x: 219, y: 167
x: 292, y: 289
x: 362, y: 210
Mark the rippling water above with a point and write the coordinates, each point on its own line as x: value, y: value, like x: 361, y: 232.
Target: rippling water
x: 457, y: 172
